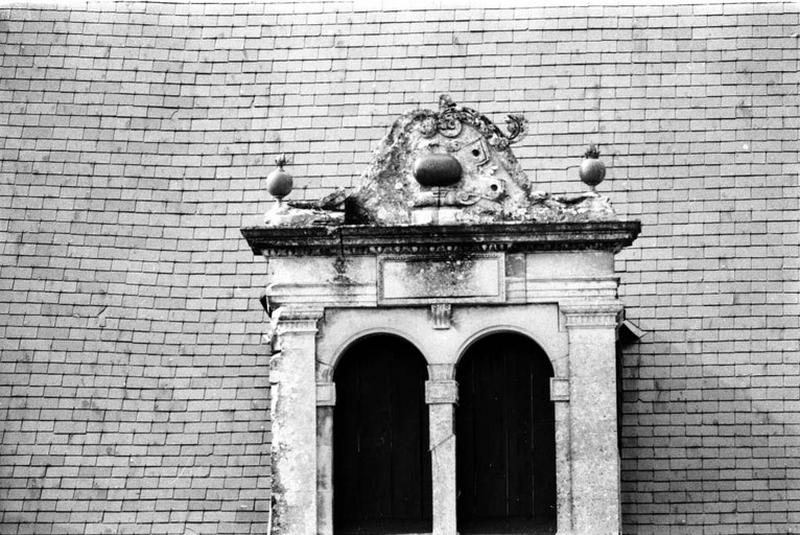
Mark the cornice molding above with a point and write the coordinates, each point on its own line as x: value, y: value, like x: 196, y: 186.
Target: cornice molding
x: 440, y: 239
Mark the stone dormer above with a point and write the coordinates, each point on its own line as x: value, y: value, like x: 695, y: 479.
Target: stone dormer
x: 444, y: 341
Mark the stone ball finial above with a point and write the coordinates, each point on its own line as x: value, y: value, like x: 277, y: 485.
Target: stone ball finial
x: 592, y: 170
x: 437, y: 170
x: 279, y: 182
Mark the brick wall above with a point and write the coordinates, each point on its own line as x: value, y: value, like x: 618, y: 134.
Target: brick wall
x: 135, y: 140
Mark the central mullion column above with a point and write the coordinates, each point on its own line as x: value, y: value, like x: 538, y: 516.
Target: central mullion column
x: 441, y: 395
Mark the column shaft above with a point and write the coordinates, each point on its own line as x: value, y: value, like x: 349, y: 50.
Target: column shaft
x: 326, y: 400
x: 563, y: 469
x: 441, y: 397
x: 324, y: 470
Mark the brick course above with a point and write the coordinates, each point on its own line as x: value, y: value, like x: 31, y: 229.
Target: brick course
x: 135, y: 142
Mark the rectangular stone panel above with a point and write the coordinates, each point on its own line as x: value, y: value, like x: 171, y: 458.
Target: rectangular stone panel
x: 463, y: 278
x: 574, y: 265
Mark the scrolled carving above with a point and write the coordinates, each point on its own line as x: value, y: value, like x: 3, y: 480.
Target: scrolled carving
x: 517, y: 127
x: 428, y: 127
x: 450, y: 119
x: 449, y: 124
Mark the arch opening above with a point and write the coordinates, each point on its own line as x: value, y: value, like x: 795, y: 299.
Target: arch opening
x: 505, y: 428
x: 381, y: 458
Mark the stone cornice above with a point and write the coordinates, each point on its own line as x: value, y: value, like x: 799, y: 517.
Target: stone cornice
x: 445, y: 239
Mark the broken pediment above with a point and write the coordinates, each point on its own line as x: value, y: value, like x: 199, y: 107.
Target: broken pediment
x: 450, y: 166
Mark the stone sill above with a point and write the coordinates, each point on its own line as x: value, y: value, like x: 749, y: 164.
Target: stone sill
x: 441, y: 239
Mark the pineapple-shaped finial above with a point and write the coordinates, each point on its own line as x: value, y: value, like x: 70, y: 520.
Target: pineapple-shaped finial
x: 279, y: 182
x: 592, y: 170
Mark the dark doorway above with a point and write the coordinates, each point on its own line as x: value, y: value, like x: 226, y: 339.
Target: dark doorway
x: 381, y: 460
x: 505, y: 433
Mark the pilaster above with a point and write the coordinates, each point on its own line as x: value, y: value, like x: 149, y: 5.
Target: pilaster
x: 594, y: 458
x: 294, y: 421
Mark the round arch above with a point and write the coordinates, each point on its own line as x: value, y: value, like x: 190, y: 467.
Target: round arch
x: 382, y: 464
x: 477, y: 336
x: 505, y: 424
x: 326, y: 365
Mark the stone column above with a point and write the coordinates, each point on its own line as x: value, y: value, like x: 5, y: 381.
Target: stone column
x: 441, y: 395
x: 594, y: 459
x: 294, y: 422
x: 326, y: 399
x: 559, y: 394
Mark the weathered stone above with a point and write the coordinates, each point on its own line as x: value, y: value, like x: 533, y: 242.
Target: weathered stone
x: 463, y: 277
x: 442, y: 239
x: 284, y: 215
x: 508, y: 259
x: 492, y: 187
x: 294, y: 422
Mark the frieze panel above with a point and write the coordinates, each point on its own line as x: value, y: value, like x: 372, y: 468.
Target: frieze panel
x: 451, y: 278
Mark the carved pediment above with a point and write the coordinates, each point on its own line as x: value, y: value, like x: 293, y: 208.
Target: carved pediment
x: 485, y: 182
x: 493, y: 187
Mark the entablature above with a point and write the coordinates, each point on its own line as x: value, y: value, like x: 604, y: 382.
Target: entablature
x: 346, y: 240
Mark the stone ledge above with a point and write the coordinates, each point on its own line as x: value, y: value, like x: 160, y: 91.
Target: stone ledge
x: 445, y: 239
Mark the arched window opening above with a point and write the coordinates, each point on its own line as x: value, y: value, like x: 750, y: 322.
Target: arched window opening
x: 505, y: 428
x: 382, y: 464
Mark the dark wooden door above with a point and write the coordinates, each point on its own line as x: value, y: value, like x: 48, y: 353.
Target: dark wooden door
x: 505, y: 438
x: 382, y: 470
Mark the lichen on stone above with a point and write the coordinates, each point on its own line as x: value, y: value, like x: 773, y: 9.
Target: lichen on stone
x: 493, y: 186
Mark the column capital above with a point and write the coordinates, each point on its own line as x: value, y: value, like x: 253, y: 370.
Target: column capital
x: 326, y: 394
x: 297, y: 318
x: 559, y: 389
x: 441, y: 391
x: 591, y: 314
